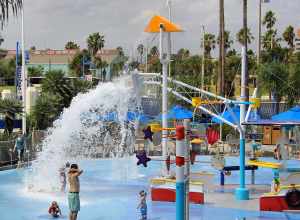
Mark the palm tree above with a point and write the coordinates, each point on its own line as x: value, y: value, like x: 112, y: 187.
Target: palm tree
x: 71, y: 46
x: 289, y: 36
x: 7, y: 6
x: 120, y: 51
x: 140, y: 50
x: 10, y: 107
x: 227, y: 41
x: 269, y: 20
x: 240, y: 36
x: 209, y: 44
x: 95, y: 42
x: 154, y: 51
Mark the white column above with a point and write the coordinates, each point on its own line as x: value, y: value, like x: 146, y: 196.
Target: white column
x: 24, y: 76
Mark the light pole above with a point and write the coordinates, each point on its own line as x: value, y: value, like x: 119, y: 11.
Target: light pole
x: 203, y: 57
x: 169, y: 36
x: 259, y: 32
x: 24, y: 77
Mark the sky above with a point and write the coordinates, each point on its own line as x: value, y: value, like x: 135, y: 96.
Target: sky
x: 51, y: 23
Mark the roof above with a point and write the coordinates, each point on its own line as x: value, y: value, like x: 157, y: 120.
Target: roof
x: 61, y: 56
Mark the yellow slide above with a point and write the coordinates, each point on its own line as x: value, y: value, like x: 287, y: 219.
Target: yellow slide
x: 264, y: 164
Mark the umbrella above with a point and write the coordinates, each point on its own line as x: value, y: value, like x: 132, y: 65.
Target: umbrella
x: 134, y: 116
x: 236, y: 110
x: 292, y: 114
x: 178, y: 112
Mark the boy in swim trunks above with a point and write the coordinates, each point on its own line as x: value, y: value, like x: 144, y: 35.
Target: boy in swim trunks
x: 74, y: 189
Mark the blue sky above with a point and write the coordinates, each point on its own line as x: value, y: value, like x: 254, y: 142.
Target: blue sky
x: 51, y: 23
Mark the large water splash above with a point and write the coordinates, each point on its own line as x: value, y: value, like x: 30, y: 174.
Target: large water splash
x: 95, y: 125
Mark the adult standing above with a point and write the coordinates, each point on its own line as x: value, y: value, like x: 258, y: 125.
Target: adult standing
x: 74, y: 189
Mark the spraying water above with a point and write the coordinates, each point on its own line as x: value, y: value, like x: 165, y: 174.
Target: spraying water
x: 95, y: 125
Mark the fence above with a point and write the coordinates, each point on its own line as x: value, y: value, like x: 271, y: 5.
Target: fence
x: 8, y: 157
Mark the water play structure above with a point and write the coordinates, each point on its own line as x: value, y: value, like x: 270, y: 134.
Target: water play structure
x: 102, y: 124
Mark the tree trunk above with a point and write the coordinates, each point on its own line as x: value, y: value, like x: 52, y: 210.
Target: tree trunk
x: 220, y: 88
x: 245, y: 26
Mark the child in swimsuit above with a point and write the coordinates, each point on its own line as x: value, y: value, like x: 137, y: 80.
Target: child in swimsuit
x: 54, y: 210
x: 143, y: 205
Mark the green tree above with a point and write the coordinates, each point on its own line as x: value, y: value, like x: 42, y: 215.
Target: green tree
x: 140, y: 50
x: 8, y: 6
x: 227, y: 41
x: 209, y: 44
x: 269, y: 20
x: 95, y: 42
x: 71, y: 46
x: 270, y: 39
x: 240, y: 36
x: 120, y: 51
x: 289, y: 36
x: 33, y: 71
x: 275, y: 80
x: 293, y: 95
x: 154, y: 52
x: 77, y: 66
x: 9, y: 107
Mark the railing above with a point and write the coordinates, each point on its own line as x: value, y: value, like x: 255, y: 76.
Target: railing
x: 9, y: 158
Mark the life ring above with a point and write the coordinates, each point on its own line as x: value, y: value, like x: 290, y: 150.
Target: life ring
x: 292, y: 198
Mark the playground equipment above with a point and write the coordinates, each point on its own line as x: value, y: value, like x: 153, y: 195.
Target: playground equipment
x: 172, y: 189
x: 285, y: 194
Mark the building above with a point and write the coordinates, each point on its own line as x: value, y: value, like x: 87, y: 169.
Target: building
x: 297, y: 41
x: 59, y: 59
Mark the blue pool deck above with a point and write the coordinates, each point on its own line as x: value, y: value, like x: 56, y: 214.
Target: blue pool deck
x: 109, y: 191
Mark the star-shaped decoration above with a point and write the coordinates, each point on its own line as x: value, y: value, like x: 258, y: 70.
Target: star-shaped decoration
x: 142, y: 158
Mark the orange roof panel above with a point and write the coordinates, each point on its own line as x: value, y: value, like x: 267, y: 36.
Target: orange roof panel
x: 154, y: 25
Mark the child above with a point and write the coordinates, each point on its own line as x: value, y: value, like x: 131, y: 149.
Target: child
x: 143, y: 205
x: 62, y: 176
x: 54, y: 210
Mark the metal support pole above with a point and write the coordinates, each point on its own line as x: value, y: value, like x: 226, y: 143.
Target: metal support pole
x: 24, y: 77
x: 169, y: 3
x: 187, y: 128
x: 164, y: 63
x: 222, y: 178
x: 252, y: 177
x: 180, y: 158
x: 242, y: 193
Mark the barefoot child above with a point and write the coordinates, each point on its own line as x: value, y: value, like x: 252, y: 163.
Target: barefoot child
x: 143, y: 205
x: 54, y: 210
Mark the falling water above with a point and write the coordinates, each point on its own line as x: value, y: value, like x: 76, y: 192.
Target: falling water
x: 95, y: 125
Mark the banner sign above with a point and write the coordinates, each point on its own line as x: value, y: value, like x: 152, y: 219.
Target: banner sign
x: 19, y: 82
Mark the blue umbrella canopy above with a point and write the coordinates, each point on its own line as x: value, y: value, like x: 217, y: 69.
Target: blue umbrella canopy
x: 178, y: 112
x: 292, y: 114
x: 236, y: 110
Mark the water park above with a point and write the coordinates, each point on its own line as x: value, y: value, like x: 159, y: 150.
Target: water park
x: 138, y: 142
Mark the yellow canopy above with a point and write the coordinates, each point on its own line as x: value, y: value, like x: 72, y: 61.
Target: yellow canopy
x: 154, y: 25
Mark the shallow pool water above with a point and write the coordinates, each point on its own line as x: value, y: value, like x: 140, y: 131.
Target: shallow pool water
x: 109, y: 191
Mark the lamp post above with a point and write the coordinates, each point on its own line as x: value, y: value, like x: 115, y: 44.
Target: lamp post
x: 24, y: 76
x: 203, y: 58
x: 169, y: 36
